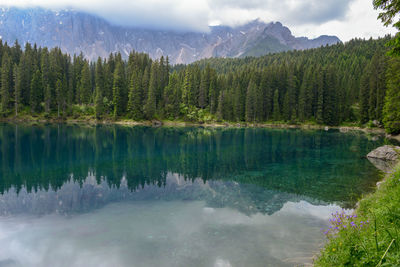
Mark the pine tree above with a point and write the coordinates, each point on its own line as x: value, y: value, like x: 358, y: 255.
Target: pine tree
x: 251, y: 99
x: 286, y: 108
x: 377, y: 86
x: 213, y: 95
x: 108, y: 85
x: 36, y: 91
x: 292, y: 94
x: 99, y: 80
x: 276, y: 107
x: 85, y: 84
x: 195, y: 86
x: 267, y: 96
x: 70, y: 89
x: 171, y: 97
x: 320, y: 97
x: 117, y: 89
x: 238, y: 103
x: 151, y: 102
x: 364, y: 96
x: 17, y: 88
x: 5, y: 83
x: 204, y: 87
x: 220, y: 108
x: 60, y: 96
x: 47, y: 98
x: 27, y: 63
x: 145, y: 82
x: 64, y: 93
x: 303, y: 104
x: 391, y: 109
x: 330, y: 114
x: 187, y: 87
x: 135, y: 101
x: 46, y: 79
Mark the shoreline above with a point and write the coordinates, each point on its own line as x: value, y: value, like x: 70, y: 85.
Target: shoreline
x: 337, y: 249
x: 167, y: 123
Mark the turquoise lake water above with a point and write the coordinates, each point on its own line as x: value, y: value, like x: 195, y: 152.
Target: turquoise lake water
x: 141, y: 196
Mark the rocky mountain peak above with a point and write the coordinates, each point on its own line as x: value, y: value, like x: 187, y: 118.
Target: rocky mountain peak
x: 76, y: 32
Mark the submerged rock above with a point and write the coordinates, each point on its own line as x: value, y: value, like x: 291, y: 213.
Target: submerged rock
x: 385, y: 153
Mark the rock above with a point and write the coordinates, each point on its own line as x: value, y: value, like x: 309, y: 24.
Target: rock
x: 156, y: 123
x: 383, y: 165
x: 378, y: 184
x: 74, y: 31
x: 375, y: 138
x: 385, y: 153
x: 377, y: 123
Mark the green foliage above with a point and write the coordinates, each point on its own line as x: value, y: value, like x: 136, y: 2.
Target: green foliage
x: 391, y: 110
x: 373, y: 238
x: 391, y: 11
x: 172, y: 98
x: 100, y: 83
x: 135, y: 96
x: 332, y: 85
x: 277, y: 112
x: 6, y: 79
x: 251, y: 98
x: 118, y: 90
x: 80, y: 111
x: 151, y: 103
x: 36, y: 89
x: 194, y: 114
x: 85, y: 88
x: 60, y: 96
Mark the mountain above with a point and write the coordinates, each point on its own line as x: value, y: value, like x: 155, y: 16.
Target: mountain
x: 76, y: 32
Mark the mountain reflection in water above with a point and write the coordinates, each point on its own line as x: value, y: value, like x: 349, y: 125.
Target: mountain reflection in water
x: 139, y: 196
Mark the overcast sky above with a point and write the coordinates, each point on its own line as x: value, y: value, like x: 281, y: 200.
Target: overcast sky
x: 344, y: 18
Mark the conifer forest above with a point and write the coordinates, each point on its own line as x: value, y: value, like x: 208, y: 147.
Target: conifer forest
x: 353, y: 82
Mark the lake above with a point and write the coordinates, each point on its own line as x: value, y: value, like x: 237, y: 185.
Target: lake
x: 142, y: 196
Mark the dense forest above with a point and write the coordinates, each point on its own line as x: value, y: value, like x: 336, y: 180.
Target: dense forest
x: 330, y: 85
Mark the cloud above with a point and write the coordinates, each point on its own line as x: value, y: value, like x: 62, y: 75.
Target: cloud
x: 306, y: 11
x: 316, y: 12
x: 344, y: 18
x: 360, y: 21
x: 165, y: 14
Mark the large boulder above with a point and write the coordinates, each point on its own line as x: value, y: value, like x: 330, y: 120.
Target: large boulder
x: 384, y: 157
x: 383, y: 165
x: 385, y: 153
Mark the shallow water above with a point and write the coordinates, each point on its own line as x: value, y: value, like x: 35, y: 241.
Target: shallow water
x: 120, y: 196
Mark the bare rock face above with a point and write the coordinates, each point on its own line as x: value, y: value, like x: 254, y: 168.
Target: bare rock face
x: 383, y: 165
x: 385, y: 153
x: 75, y: 32
x: 384, y: 157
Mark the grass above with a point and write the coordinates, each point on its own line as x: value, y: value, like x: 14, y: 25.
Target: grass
x: 370, y: 236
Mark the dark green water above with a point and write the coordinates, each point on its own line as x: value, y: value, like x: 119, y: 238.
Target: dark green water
x: 122, y: 196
